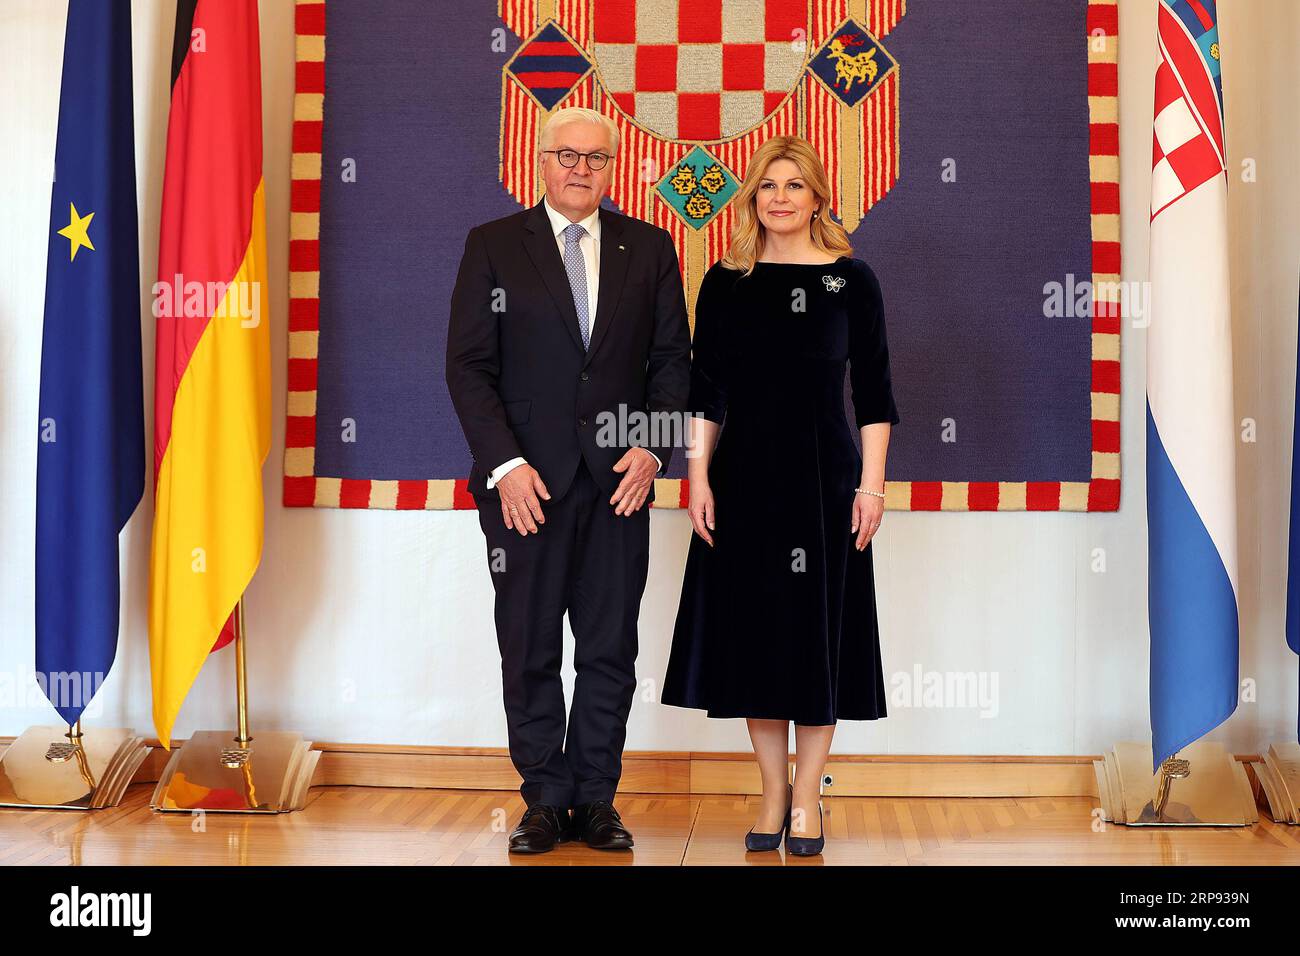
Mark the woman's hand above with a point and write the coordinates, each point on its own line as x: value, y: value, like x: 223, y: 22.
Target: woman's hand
x: 701, y: 509
x: 868, y: 512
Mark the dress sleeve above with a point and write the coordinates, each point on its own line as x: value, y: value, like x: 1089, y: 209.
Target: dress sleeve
x: 873, y: 394
x: 708, y: 354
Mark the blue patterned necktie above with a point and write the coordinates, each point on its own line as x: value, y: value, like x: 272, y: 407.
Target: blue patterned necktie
x: 576, y: 267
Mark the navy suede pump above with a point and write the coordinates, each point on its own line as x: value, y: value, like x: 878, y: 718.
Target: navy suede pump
x: 807, y: 846
x: 756, y: 842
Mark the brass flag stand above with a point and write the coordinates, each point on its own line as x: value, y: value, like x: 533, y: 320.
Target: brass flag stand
x: 70, y: 769
x: 1203, y: 785
x: 1279, y: 778
x: 225, y: 772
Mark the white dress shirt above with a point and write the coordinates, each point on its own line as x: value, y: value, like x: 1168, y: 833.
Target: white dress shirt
x: 589, y: 244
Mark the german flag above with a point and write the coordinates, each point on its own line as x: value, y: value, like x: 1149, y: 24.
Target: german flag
x: 212, y: 392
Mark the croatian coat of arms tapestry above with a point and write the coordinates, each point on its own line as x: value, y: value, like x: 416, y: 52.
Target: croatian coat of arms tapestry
x: 973, y: 155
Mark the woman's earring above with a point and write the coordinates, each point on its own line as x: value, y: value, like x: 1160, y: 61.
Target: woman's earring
x: 815, y: 213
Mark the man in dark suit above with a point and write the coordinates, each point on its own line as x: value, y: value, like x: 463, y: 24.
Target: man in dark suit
x: 563, y: 315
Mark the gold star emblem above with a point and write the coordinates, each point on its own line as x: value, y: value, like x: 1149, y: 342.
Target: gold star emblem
x: 77, y: 232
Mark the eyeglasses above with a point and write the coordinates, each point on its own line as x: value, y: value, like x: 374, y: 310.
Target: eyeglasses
x: 569, y: 158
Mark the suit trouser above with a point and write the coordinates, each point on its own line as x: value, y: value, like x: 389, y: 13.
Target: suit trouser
x: 592, y: 563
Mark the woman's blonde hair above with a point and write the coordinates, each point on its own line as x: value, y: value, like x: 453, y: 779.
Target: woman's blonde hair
x: 748, y: 235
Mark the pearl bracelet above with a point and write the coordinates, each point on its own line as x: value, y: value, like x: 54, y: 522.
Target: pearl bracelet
x: 867, y: 491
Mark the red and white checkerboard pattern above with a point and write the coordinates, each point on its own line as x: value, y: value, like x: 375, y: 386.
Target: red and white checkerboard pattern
x: 1183, y: 154
x: 700, y: 70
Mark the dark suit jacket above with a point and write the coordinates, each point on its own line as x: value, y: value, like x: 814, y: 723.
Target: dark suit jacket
x: 520, y: 381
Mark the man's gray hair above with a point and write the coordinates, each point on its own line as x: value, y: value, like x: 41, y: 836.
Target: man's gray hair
x: 576, y: 114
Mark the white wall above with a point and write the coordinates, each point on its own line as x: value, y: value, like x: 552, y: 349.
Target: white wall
x: 377, y: 626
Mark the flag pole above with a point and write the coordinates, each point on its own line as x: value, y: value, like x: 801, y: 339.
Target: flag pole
x: 241, y: 677
x: 1278, y: 771
x: 1171, y: 769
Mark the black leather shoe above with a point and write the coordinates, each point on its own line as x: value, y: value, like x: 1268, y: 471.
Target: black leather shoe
x: 599, y: 826
x: 540, y: 829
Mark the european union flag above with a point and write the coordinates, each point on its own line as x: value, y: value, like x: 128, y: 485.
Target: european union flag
x: 90, y: 457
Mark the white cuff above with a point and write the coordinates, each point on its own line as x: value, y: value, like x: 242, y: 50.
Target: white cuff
x: 501, y: 470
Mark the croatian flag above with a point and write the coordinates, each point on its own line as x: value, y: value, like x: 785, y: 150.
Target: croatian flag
x: 1191, y: 431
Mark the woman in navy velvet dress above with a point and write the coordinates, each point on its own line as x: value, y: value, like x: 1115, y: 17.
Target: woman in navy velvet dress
x: 777, y: 621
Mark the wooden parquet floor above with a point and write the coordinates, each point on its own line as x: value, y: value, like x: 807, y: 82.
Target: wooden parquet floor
x: 394, y: 826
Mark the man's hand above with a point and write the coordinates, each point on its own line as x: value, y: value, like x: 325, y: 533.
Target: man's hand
x: 519, y: 488
x: 639, y: 467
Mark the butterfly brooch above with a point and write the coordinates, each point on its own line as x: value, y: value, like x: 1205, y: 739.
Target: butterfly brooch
x: 833, y: 283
